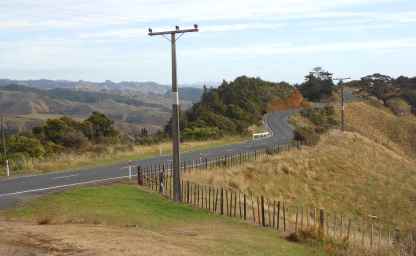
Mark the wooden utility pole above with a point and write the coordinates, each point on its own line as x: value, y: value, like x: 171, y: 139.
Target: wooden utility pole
x: 341, y: 83
x: 175, y: 106
x: 3, y: 137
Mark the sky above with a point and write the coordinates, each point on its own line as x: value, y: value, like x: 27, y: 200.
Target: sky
x: 277, y: 40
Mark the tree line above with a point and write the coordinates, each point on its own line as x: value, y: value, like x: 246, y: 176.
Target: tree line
x: 230, y: 109
x: 62, y: 135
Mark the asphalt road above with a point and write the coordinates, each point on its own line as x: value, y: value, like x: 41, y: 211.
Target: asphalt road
x: 17, y: 189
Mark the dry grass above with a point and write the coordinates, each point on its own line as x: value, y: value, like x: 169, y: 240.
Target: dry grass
x: 345, y: 173
x: 379, y: 124
x: 112, y: 155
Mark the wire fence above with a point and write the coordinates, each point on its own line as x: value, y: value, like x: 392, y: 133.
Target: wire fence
x: 266, y: 212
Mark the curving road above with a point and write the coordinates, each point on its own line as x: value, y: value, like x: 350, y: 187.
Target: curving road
x: 18, y: 189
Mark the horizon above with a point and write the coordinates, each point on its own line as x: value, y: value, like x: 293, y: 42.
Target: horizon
x: 275, y: 40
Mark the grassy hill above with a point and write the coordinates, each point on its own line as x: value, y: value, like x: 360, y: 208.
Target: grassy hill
x: 369, y: 170
x: 26, y: 107
x: 380, y: 124
x: 128, y: 221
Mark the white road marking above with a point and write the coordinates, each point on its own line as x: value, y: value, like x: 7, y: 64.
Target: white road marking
x: 63, y: 186
x: 63, y: 177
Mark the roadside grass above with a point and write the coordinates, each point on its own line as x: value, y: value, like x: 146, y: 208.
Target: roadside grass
x: 346, y: 173
x: 128, y: 207
x: 113, y: 155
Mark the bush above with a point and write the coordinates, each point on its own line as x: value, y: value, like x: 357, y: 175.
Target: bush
x: 307, y: 135
x: 399, y: 106
x: 201, y: 133
x: 26, y: 145
x: 323, y: 118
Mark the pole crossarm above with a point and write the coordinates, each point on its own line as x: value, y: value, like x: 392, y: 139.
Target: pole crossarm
x: 180, y: 31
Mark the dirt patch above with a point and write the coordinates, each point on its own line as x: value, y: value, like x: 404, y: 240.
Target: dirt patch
x: 24, y: 239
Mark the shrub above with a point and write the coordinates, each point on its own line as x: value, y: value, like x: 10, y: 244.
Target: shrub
x: 323, y: 118
x: 399, y: 106
x: 201, y: 133
x: 308, y: 135
x: 26, y: 146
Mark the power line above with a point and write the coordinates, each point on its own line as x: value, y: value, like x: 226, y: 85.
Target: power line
x: 341, y: 83
x: 175, y: 106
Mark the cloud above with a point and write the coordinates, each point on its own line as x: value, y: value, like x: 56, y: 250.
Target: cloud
x: 289, y: 49
x: 44, y: 14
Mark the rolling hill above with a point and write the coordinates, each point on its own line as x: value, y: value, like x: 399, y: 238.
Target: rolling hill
x: 132, y: 105
x: 367, y: 170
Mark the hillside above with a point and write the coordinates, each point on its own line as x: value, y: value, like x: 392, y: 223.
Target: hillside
x: 45, y: 84
x: 232, y: 107
x: 380, y: 124
x: 126, y: 220
x: 27, y: 107
x: 366, y: 171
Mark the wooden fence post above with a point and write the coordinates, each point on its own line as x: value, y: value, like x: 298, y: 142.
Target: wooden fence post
x: 235, y: 203
x: 278, y: 215
x: 258, y: 211
x: 198, y: 203
x: 222, y: 202
x: 371, y: 235
x: 239, y: 205
x: 301, y: 220
x: 322, y: 222
x: 263, y: 220
x: 209, y: 198
x: 274, y: 214
x: 202, y: 195
x: 161, y: 182
x: 284, y: 217
x: 296, y: 223
x: 349, y: 229
x: 226, y: 203
x: 253, y: 210
x: 140, y: 176
x: 187, y: 191
x: 182, y: 190
x: 245, y: 207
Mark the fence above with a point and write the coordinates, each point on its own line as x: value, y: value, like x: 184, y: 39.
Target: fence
x: 270, y: 213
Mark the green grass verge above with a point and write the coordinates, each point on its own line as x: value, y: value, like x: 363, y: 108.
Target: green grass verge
x: 123, y: 205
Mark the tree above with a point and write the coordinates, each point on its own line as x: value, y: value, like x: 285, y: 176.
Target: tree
x: 63, y: 131
x: 144, y: 132
x: 98, y: 127
x: 231, y: 108
x: 31, y: 147
x: 318, y: 85
x: 381, y: 86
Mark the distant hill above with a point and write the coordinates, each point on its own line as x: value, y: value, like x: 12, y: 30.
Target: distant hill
x: 27, y: 106
x: 44, y: 84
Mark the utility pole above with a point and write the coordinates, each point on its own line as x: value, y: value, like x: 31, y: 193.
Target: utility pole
x: 3, y: 137
x: 175, y: 106
x: 341, y: 83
